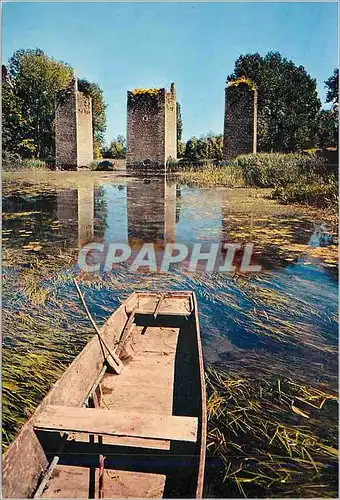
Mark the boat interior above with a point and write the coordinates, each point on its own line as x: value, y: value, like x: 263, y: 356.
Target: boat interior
x: 139, y: 432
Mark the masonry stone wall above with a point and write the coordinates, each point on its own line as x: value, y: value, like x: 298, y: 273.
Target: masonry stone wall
x: 170, y: 124
x: 240, y: 128
x: 66, y: 130
x: 151, y: 127
x: 84, y: 127
x: 73, y: 128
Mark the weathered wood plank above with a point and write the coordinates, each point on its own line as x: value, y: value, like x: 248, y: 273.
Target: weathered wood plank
x: 134, y: 442
x: 146, y: 383
x: 73, y: 482
x: 179, y: 306
x: 25, y: 456
x: 158, y: 306
x: 113, y: 423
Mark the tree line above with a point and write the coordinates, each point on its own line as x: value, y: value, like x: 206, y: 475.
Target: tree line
x: 29, y: 87
x: 290, y: 114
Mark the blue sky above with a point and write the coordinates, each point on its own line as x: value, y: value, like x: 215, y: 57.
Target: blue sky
x: 122, y: 46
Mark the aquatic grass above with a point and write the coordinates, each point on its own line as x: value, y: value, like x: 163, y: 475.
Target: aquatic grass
x: 260, y: 309
x: 272, y: 338
x: 48, y: 336
x: 262, y: 442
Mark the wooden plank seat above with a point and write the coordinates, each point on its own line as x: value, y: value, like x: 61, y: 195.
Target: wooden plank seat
x: 169, y: 306
x: 116, y: 423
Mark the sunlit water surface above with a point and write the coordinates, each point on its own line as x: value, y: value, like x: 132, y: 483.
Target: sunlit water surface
x: 284, y: 317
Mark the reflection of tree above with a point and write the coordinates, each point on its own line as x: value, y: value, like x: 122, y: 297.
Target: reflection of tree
x: 29, y: 219
x: 19, y: 204
x: 278, y: 238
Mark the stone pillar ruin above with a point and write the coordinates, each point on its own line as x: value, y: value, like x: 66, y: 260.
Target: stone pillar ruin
x: 151, y: 127
x: 240, y: 120
x: 73, y: 128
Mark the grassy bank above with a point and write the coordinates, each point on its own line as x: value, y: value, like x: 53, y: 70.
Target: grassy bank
x: 295, y: 178
x: 321, y: 195
x: 13, y: 163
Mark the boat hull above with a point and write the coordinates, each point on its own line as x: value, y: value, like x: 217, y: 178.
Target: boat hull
x: 161, y: 384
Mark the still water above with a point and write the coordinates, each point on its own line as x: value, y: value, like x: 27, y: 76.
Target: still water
x: 283, y: 318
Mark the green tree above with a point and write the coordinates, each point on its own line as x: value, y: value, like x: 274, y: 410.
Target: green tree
x: 117, y: 148
x: 327, y: 131
x: 191, y: 149
x: 332, y: 85
x: 209, y: 147
x: 288, y: 104
x: 98, y: 111
x: 180, y: 149
x: 214, y: 146
x: 13, y: 124
x: 35, y: 78
x: 29, y: 93
x: 179, y: 129
x: 328, y: 124
x: 202, y: 151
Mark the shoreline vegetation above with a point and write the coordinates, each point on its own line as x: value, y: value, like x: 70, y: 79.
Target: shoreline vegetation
x: 293, y: 178
x: 298, y: 178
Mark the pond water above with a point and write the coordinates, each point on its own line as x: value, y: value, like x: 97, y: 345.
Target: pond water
x: 280, y: 320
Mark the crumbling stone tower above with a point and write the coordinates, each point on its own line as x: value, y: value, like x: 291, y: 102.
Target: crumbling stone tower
x: 240, y: 120
x: 73, y: 128
x: 151, y: 127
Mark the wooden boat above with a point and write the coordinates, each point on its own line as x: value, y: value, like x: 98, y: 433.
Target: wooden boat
x: 140, y: 433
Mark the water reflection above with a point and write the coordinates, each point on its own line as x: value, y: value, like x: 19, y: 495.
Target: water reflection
x: 151, y: 213
x: 158, y: 211
x: 76, y: 215
x: 288, y: 313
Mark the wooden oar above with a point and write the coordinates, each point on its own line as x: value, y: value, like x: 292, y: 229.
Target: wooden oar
x: 112, y: 359
x: 158, y: 305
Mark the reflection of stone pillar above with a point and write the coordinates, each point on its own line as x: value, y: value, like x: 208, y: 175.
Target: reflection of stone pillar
x: 76, y: 216
x: 151, y: 212
x: 85, y: 215
x: 240, y: 122
x: 67, y: 202
x: 170, y: 213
